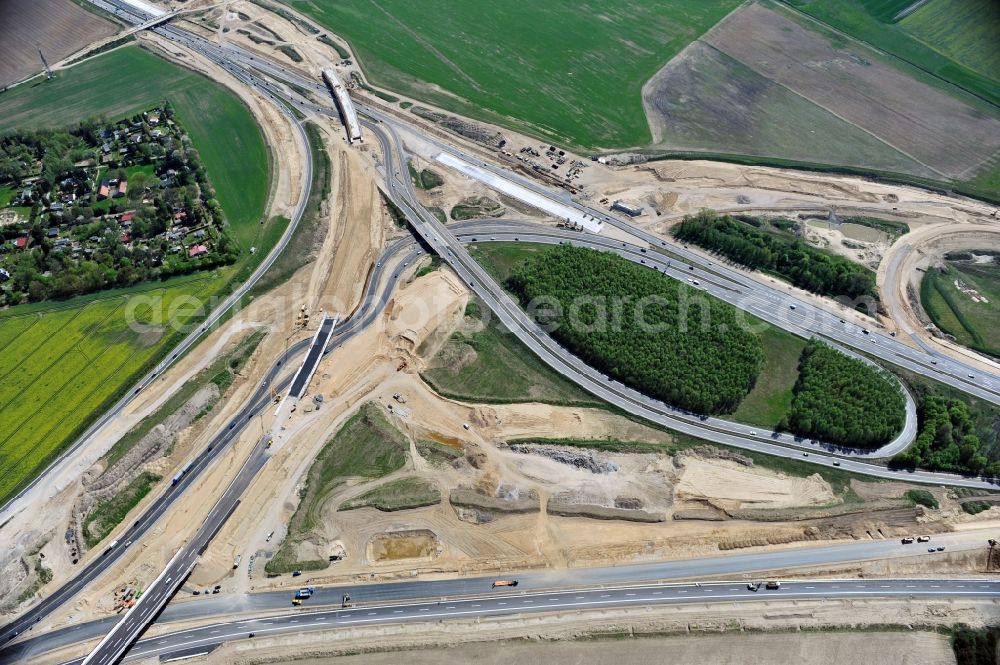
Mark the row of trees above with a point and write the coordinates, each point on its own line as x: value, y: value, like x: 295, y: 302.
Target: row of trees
x: 656, y: 335
x: 804, y: 266
x: 843, y: 400
x: 39, y: 275
x: 947, y: 440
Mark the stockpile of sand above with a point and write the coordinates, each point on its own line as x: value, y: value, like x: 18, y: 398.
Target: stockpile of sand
x: 734, y: 485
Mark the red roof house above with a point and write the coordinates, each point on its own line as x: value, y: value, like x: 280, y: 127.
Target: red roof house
x: 127, y: 216
x: 21, y: 242
x: 197, y: 250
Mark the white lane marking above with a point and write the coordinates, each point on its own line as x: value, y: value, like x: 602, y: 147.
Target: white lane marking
x: 397, y: 611
x: 721, y: 597
x: 449, y: 607
x: 424, y: 609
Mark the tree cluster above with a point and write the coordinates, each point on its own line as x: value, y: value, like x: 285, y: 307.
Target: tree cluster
x: 843, y: 400
x: 652, y: 333
x: 947, y: 440
x: 804, y: 266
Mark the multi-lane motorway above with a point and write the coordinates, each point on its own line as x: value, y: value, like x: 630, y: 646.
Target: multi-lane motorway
x: 725, y: 566
x: 514, y: 602
x: 807, y: 317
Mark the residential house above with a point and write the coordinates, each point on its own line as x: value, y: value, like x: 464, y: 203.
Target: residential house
x: 122, y: 187
x: 197, y: 250
x: 21, y: 242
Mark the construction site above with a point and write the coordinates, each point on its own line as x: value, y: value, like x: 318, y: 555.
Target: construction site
x: 374, y: 470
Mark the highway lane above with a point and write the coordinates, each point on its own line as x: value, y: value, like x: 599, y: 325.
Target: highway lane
x: 817, y: 319
x: 279, y: 376
x: 430, y: 237
x: 20, y: 502
x: 486, y: 231
x: 958, y: 374
x: 762, y: 308
x: 724, y: 566
x: 437, y: 236
x: 516, y: 601
x: 121, y: 636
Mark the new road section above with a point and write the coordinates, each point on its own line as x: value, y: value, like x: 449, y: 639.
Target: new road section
x: 316, y: 351
x: 510, y: 601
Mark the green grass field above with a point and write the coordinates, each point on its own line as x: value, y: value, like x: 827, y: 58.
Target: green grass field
x: 771, y: 396
x: 728, y: 106
x: 568, y: 72
x: 82, y: 347
x: 402, y: 494
x: 367, y: 446
x: 504, y: 371
x: 966, y: 31
x: 952, y: 40
x: 63, y: 362
x: 973, y: 324
x: 108, y: 514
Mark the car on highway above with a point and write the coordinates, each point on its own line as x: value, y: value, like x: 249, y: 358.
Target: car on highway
x: 836, y: 462
x: 930, y: 549
x: 907, y: 540
x: 940, y: 548
x: 923, y: 539
x: 753, y: 586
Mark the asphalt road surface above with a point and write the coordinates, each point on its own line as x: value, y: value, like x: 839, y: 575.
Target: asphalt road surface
x: 513, y: 601
x: 447, y: 244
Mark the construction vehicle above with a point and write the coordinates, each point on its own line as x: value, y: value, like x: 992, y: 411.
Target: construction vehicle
x: 497, y: 583
x: 345, y: 602
x: 296, y: 601
x: 275, y: 395
x: 110, y: 546
x: 236, y: 561
x: 402, y: 366
x: 399, y: 398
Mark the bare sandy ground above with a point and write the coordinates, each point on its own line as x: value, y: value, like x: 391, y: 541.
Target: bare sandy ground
x: 821, y: 648
x: 747, y: 487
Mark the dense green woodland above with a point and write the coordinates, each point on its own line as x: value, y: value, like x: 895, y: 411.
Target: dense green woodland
x: 947, y: 440
x: 746, y: 242
x: 694, y: 352
x: 843, y: 400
